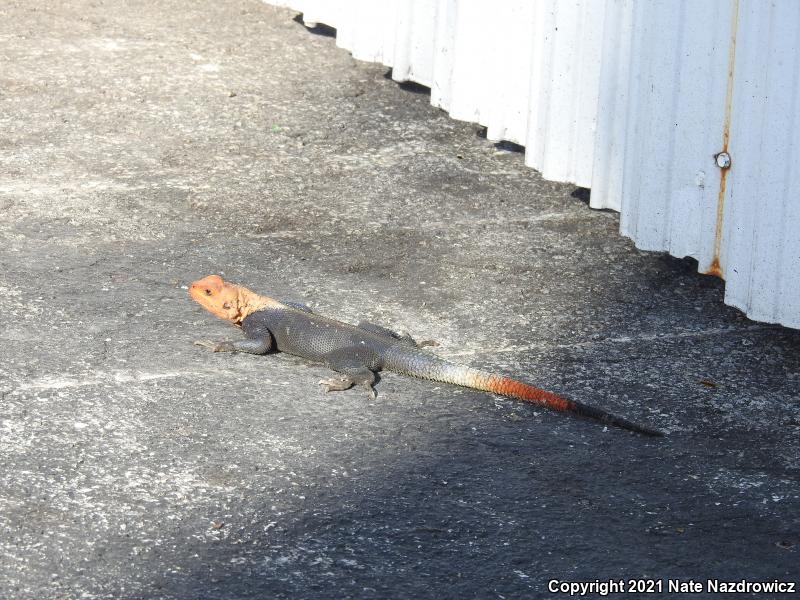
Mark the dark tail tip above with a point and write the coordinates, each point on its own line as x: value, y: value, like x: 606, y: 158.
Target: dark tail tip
x: 600, y: 415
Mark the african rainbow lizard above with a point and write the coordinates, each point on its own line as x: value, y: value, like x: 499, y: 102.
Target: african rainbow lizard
x: 358, y: 352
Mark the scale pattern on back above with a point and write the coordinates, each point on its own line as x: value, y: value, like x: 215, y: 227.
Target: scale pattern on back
x: 314, y: 337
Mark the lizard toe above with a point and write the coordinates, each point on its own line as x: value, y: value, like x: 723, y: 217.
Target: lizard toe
x: 205, y: 344
x: 336, y: 384
x: 215, y: 346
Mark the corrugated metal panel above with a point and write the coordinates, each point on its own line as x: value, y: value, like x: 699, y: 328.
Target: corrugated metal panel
x: 565, y: 79
x: 612, y: 105
x: 633, y: 99
x: 760, y: 252
x: 677, y: 82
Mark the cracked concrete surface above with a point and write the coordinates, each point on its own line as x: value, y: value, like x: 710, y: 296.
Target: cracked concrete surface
x: 144, y: 145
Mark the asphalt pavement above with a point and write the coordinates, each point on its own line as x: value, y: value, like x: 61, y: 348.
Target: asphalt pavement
x: 144, y: 145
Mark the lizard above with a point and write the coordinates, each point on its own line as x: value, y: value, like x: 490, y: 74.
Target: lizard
x: 359, y: 352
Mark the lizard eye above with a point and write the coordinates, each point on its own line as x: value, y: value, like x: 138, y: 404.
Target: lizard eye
x: 226, y: 305
x: 208, y: 292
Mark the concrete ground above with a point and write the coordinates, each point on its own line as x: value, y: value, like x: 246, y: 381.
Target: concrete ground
x: 143, y: 145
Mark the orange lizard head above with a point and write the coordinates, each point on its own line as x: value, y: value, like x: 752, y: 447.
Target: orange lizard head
x: 218, y: 297
x: 227, y: 300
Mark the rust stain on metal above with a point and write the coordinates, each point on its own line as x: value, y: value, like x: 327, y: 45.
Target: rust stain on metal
x: 715, y: 268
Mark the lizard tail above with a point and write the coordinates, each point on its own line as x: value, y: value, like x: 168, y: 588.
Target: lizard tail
x: 522, y: 391
x: 425, y: 366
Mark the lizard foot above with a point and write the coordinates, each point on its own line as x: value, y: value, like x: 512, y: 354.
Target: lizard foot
x: 336, y: 384
x: 352, y: 371
x: 372, y: 393
x: 405, y: 336
x: 214, y: 346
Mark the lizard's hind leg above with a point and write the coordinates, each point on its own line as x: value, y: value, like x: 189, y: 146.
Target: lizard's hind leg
x: 363, y: 377
x: 353, y: 372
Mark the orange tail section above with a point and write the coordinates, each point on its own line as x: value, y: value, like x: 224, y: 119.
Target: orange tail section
x: 522, y: 391
x: 506, y: 386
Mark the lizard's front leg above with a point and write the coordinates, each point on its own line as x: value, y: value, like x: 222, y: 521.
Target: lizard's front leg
x: 260, y: 345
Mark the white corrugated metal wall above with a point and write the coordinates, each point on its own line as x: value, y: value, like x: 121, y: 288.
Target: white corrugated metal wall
x: 632, y: 99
